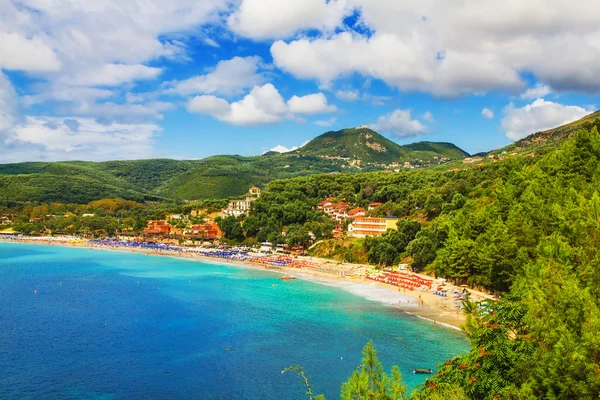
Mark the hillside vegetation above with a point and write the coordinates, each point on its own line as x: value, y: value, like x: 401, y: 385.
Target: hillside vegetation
x: 210, y: 178
x: 526, y: 227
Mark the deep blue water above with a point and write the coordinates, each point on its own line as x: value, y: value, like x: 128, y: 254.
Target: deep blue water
x: 111, y: 325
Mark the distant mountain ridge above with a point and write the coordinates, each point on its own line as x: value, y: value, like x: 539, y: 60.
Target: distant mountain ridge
x: 348, y: 150
x: 365, y: 144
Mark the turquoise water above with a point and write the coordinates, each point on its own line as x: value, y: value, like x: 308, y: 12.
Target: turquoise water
x: 112, y: 325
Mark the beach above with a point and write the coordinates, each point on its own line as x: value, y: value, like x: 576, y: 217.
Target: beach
x: 421, y: 304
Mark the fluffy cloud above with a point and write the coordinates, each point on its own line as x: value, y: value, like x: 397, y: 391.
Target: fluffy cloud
x: 410, y: 67
x: 74, y: 47
x: 92, y: 33
x: 261, y: 19
x: 263, y: 105
x: 538, y: 116
x: 228, y: 77
x: 428, y: 116
x: 399, y: 123
x: 20, y: 53
x: 487, y: 113
x: 410, y: 47
x: 348, y: 95
x: 53, y: 139
x: 68, y: 94
x: 110, y: 112
x: 536, y: 92
x: 310, y: 104
x: 113, y: 75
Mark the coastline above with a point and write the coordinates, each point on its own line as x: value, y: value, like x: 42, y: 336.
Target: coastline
x: 434, y: 308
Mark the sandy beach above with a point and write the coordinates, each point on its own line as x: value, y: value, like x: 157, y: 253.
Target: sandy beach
x: 425, y: 305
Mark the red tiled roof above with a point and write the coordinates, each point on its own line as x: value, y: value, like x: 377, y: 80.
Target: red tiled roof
x: 356, y: 211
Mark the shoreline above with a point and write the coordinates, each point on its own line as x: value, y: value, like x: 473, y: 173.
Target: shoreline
x: 433, y: 309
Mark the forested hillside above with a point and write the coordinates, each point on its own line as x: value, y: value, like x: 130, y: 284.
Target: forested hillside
x: 527, y: 227
x: 348, y: 151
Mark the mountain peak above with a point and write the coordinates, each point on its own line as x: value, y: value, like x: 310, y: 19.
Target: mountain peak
x: 364, y: 144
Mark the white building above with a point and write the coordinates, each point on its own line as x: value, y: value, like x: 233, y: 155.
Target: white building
x: 239, y: 207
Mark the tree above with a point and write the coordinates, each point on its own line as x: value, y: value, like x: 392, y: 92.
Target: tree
x: 305, y: 382
x: 370, y: 382
x: 422, y: 250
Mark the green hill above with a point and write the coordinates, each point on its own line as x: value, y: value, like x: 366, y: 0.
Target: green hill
x: 428, y: 150
x: 369, y: 146
x: 354, y: 143
x: 212, y: 177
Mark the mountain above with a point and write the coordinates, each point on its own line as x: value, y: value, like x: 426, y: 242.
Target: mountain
x: 354, y: 143
x: 428, y: 150
x: 348, y: 150
x: 369, y: 146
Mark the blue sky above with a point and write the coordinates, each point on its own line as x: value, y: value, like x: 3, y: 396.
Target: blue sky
x: 129, y: 79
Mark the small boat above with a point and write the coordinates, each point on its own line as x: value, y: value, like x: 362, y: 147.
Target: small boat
x: 422, y: 371
x: 288, y: 278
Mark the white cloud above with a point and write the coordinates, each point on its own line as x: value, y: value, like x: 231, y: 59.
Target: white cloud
x: 326, y: 123
x: 32, y: 55
x: 538, y: 116
x: 428, y: 116
x: 68, y: 94
x: 410, y: 47
x: 310, y: 104
x: 262, y: 19
x: 410, y: 66
x: 536, y: 92
x: 109, y: 111
x: 94, y: 33
x: 348, y: 95
x: 211, y: 42
x: 399, y: 123
x: 282, y: 149
x: 113, y: 75
x: 263, y: 105
x: 54, y: 139
x: 8, y: 104
x: 487, y: 113
x: 228, y: 77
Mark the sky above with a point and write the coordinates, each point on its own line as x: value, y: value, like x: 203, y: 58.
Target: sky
x: 186, y: 79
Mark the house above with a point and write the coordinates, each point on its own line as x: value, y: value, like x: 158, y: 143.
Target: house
x: 34, y: 219
x: 472, y: 160
x: 254, y: 191
x: 356, y: 213
x: 5, y: 221
x: 170, y: 217
x: 158, y: 227
x: 207, y: 231
x: 88, y: 215
x: 339, y: 211
x: 325, y: 203
x: 366, y: 226
x: 373, y: 206
x: 239, y: 207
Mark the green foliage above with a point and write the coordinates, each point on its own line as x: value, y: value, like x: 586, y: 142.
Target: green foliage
x: 210, y: 178
x: 231, y: 227
x: 370, y: 382
x: 305, y: 382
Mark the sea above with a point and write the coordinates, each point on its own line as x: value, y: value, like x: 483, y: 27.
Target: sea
x: 97, y: 324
